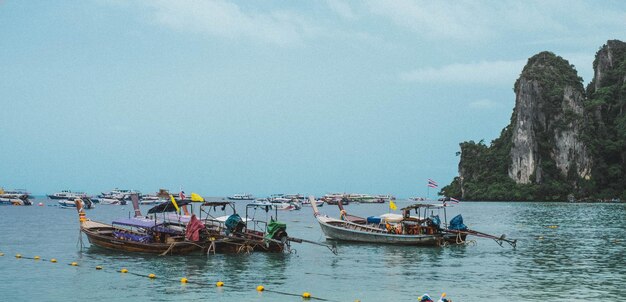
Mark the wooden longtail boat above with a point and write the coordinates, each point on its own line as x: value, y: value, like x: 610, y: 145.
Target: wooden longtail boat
x: 136, y: 234
x: 402, y: 229
x: 408, y: 231
x: 232, y: 234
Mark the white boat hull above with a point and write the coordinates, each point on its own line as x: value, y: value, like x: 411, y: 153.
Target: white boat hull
x: 347, y: 231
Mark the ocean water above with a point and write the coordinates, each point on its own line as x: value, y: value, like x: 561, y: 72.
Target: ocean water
x: 565, y: 252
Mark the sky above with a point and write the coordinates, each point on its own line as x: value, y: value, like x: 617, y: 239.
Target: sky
x: 262, y: 97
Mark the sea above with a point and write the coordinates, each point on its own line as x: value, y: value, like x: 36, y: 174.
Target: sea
x: 565, y: 252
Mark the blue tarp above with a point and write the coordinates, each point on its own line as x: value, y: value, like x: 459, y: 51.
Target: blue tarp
x: 232, y: 222
x: 435, y: 221
x: 132, y: 237
x: 457, y: 223
x: 373, y: 219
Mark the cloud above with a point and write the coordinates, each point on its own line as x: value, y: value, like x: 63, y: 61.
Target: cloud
x: 483, y: 104
x: 432, y: 19
x: 483, y: 73
x: 342, y: 8
x: 228, y: 20
x: 479, y: 21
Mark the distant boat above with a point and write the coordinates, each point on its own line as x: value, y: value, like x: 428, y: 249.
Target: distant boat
x: 15, y: 197
x: 365, y: 198
x: 71, y: 203
x: 318, y: 202
x: 15, y: 201
x: 385, y: 197
x: 67, y: 194
x: 119, y: 194
x: 241, y: 197
x: 109, y: 201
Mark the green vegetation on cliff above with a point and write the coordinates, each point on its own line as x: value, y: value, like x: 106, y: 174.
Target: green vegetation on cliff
x: 606, y: 133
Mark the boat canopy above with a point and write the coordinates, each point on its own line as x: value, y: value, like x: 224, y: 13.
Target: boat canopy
x: 173, y: 217
x: 168, y: 206
x: 260, y: 204
x: 216, y: 204
x: 422, y: 205
x: 137, y: 222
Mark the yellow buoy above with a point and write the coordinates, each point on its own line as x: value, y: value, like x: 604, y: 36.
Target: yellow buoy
x: 74, y: 264
x: 260, y: 288
x: 36, y: 258
x: 183, y: 280
x: 1, y: 254
x: 306, y: 295
x: 219, y: 284
x: 53, y: 260
x: 98, y: 267
x: 123, y: 271
x: 18, y: 256
x: 152, y: 276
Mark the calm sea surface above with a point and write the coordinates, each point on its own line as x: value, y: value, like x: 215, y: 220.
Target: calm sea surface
x: 581, y: 259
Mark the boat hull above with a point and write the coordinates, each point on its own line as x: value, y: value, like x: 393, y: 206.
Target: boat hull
x: 15, y: 201
x: 347, y: 231
x: 102, y: 236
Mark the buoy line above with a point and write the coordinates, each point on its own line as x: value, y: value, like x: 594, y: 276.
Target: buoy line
x: 183, y: 280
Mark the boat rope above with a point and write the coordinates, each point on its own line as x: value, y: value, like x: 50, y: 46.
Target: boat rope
x: 459, y: 239
x: 174, y: 244
x: 80, y: 243
x: 211, y: 248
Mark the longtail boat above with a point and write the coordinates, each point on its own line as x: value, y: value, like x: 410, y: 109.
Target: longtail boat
x: 231, y: 233
x: 136, y: 234
x: 425, y: 229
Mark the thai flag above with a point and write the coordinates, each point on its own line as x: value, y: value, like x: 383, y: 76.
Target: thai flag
x: 451, y: 199
x: 432, y: 183
x: 181, y: 195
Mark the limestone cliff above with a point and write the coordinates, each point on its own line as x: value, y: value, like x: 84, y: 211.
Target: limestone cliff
x: 546, y: 127
x: 562, y: 140
x: 606, y: 113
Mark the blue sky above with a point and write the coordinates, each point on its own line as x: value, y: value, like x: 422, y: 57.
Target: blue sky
x: 264, y: 97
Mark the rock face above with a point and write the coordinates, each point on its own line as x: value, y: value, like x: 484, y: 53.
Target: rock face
x: 606, y: 59
x: 546, y: 121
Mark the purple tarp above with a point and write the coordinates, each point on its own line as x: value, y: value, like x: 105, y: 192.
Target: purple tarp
x: 136, y: 222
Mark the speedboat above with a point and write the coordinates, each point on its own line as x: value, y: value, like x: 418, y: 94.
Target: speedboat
x: 109, y: 201
x: 318, y: 202
x: 71, y: 203
x: 15, y: 197
x: 119, y: 194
